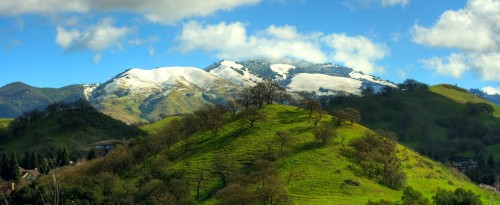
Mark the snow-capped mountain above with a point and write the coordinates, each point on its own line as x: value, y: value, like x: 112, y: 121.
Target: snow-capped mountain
x: 297, y: 76
x: 137, y: 95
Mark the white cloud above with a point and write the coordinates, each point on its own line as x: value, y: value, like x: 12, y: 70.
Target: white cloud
x: 162, y: 11
x: 473, y: 30
x: 488, y: 65
x: 97, y: 58
x: 16, y: 7
x: 169, y: 11
x: 151, y: 51
x: 358, y: 51
x: 355, y: 4
x: 231, y: 41
x: 403, y: 3
x: 453, y: 65
x: 491, y: 90
x: 97, y: 37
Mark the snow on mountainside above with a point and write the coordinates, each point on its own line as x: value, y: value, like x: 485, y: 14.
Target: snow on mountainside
x: 328, y: 79
x: 138, y: 95
x: 147, y: 82
x: 324, y: 83
x: 282, y: 70
x: 88, y: 89
x: 359, y: 75
x: 235, y: 73
x: 143, y: 95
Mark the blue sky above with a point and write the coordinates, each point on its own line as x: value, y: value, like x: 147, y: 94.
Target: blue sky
x: 53, y: 43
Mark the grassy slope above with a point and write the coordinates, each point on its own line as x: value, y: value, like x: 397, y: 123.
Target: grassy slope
x: 462, y: 97
x: 4, y: 122
x: 155, y: 127
x: 417, y: 116
x: 320, y: 169
x: 49, y: 133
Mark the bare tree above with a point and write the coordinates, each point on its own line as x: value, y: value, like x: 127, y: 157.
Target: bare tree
x: 325, y: 133
x: 233, y: 106
x: 352, y: 115
x: 284, y: 139
x: 245, y: 97
x: 253, y: 115
x: 211, y: 118
x: 282, y: 95
x: 222, y: 167
x: 309, y: 102
x: 316, y: 116
x: 199, y: 181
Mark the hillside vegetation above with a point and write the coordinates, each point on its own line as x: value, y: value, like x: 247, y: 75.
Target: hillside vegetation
x: 307, y: 170
x: 462, y: 96
x: 4, y: 122
x: 75, y: 125
x: 429, y: 122
x: 17, y: 97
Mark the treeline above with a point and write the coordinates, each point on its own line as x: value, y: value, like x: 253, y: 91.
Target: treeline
x: 10, y: 164
x: 442, y: 197
x: 19, y: 124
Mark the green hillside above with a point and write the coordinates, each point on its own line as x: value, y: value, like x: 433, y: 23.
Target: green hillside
x: 309, y: 172
x: 18, y: 97
x: 461, y: 95
x: 75, y: 127
x: 156, y: 127
x: 4, y: 122
x: 428, y: 122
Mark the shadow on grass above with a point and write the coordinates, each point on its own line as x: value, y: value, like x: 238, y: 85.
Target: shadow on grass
x: 307, y: 146
x: 289, y: 117
x: 207, y: 144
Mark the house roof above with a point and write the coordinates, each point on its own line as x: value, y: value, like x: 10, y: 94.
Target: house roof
x: 108, y: 142
x: 25, y: 172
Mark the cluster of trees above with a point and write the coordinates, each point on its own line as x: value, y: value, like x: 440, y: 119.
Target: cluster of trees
x: 442, y: 197
x: 486, y: 171
x: 476, y: 108
x: 376, y: 155
x: 258, y: 185
x: 19, y: 125
x: 9, y: 169
x: 263, y: 93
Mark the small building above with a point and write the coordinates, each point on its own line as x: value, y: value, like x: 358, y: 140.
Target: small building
x: 29, y: 174
x: 106, y: 145
x: 7, y: 186
x: 488, y: 187
x: 464, y: 166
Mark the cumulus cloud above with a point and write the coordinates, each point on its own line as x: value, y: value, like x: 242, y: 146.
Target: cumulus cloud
x: 473, y: 30
x: 453, y: 65
x: 162, y: 11
x: 15, y: 7
x: 491, y: 90
x: 97, y: 37
x: 356, y: 51
x: 231, y: 41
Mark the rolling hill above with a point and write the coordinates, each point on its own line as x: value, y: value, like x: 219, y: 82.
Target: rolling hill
x: 18, y: 97
x: 310, y: 173
x: 461, y: 95
x: 435, y: 122
x: 73, y: 127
